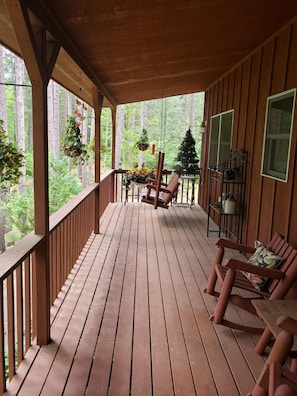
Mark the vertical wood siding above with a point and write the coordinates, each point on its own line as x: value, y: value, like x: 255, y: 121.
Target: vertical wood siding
x: 270, y: 205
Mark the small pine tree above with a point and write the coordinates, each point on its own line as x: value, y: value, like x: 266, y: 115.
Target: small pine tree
x: 187, y: 159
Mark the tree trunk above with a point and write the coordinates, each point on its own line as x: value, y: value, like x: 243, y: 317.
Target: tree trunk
x: 3, y: 116
x: 84, y: 131
x: 54, y: 118
x: 20, y: 114
x: 2, y: 229
x: 92, y: 139
x: 3, y: 113
x: 119, y: 134
x: 192, y: 111
x: 185, y: 126
x: 50, y: 115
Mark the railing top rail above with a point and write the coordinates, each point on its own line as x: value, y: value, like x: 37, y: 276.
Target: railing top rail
x: 13, y: 256
x: 69, y: 207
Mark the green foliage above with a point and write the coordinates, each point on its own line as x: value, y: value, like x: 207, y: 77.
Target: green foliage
x: 62, y: 184
x: 187, y: 160
x: 11, y: 161
x: 73, y: 145
x: 165, y: 119
x: 19, y: 207
x: 19, y: 210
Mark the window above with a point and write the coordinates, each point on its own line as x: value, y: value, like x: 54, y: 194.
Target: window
x: 220, y: 138
x: 278, y: 131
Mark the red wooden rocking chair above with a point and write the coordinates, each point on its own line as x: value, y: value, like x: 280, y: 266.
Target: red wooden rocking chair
x: 230, y: 274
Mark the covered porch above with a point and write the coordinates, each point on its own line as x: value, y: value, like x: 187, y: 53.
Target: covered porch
x: 132, y: 317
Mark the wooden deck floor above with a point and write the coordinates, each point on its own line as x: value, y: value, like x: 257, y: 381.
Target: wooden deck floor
x: 133, y: 319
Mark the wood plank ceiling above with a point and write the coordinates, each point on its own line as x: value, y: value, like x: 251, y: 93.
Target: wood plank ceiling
x: 136, y: 50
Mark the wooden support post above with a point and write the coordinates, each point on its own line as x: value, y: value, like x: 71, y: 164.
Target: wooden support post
x: 113, y: 148
x: 40, y: 57
x: 98, y: 101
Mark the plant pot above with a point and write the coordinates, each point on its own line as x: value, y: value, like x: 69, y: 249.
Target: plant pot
x: 230, y: 206
x: 143, y: 146
x: 71, y: 153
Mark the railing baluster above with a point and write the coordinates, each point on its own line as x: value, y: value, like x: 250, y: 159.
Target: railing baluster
x: 2, y: 343
x: 20, y: 313
x: 10, y: 326
x: 28, y: 305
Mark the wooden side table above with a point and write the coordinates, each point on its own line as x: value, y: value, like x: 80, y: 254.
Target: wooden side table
x: 270, y: 311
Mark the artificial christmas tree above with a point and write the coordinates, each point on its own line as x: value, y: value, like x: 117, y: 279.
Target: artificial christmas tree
x: 187, y: 159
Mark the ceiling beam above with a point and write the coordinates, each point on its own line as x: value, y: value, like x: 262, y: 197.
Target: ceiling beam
x: 40, y: 9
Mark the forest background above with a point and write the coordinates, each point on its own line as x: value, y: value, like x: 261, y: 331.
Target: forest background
x: 166, y: 121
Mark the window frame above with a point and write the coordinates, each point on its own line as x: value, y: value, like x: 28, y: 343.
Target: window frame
x: 218, y: 145
x: 272, y: 140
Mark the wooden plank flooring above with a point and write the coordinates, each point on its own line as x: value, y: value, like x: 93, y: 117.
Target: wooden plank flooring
x: 132, y: 318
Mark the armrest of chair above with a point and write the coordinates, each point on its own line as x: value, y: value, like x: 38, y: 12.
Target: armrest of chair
x: 254, y: 269
x: 153, y: 182
x: 225, y: 243
x: 288, y: 324
x: 149, y: 180
x: 151, y: 186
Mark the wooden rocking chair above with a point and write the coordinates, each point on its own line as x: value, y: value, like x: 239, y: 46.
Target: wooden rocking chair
x: 158, y: 193
x: 230, y: 274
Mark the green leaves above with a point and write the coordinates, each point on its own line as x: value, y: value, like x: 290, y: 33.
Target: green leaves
x: 11, y: 161
x: 73, y: 145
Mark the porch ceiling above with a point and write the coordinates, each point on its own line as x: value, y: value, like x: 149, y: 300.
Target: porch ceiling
x: 139, y: 49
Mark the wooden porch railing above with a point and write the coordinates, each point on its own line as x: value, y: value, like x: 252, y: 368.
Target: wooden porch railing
x: 70, y: 228
x: 187, y: 193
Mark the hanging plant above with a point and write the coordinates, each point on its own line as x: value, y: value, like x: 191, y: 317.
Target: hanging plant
x: 11, y: 161
x: 143, y: 142
x: 73, y: 145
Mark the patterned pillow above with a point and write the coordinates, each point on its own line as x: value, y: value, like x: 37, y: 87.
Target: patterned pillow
x: 265, y: 258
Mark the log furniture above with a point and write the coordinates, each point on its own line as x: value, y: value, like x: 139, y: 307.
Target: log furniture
x: 276, y: 378
x: 230, y: 274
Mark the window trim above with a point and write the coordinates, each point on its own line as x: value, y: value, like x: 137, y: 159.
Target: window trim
x: 219, y: 144
x: 270, y: 137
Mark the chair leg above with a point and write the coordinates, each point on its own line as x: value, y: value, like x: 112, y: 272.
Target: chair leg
x: 224, y: 296
x: 263, y: 341
x: 212, y: 280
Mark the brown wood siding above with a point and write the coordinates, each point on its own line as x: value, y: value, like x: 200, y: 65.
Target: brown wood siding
x: 271, y: 69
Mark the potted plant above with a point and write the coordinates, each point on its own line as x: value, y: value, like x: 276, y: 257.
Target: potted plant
x: 143, y: 142
x: 11, y: 161
x: 140, y: 174
x: 73, y: 145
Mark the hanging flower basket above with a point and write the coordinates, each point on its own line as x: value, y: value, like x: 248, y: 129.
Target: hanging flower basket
x: 143, y: 146
x: 11, y: 161
x: 73, y: 153
x: 143, y: 143
x: 72, y: 140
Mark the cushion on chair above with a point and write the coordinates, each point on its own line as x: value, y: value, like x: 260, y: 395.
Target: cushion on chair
x: 263, y: 257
